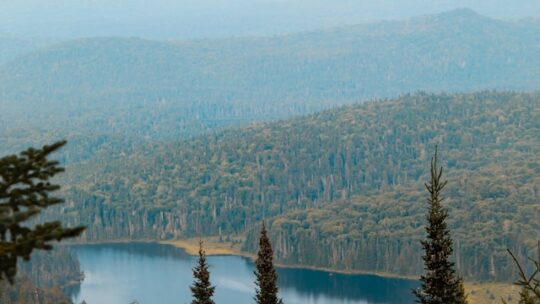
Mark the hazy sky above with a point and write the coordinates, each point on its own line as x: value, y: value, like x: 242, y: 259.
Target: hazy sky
x: 176, y: 19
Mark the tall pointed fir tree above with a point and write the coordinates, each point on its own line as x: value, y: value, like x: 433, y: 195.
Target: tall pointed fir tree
x: 202, y: 290
x: 25, y: 190
x: 440, y: 284
x: 267, y: 289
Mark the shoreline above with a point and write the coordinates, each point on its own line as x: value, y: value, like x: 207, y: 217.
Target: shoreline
x: 213, y: 248
x: 478, y: 292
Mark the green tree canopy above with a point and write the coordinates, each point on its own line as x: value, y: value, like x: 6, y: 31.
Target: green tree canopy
x: 25, y: 190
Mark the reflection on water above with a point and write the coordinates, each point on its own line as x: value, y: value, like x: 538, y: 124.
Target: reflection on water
x: 154, y: 273
x: 342, y: 288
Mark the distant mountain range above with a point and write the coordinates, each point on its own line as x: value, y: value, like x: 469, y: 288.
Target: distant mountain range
x: 167, y: 90
x: 188, y: 19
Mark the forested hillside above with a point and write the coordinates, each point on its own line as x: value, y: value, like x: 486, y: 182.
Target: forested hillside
x: 96, y: 89
x: 341, y: 188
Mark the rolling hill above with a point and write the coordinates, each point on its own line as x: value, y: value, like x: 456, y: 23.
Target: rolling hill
x: 141, y: 89
x: 342, y: 188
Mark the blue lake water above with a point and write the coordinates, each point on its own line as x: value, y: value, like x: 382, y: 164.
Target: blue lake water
x: 154, y: 273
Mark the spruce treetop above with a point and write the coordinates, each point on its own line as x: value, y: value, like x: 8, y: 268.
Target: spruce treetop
x: 265, y: 273
x: 440, y: 284
x: 202, y: 290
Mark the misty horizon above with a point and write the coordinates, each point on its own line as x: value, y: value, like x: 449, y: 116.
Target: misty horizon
x: 165, y: 19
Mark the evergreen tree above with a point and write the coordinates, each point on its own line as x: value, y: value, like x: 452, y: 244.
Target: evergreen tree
x: 202, y: 290
x: 267, y: 289
x: 440, y: 285
x: 25, y: 190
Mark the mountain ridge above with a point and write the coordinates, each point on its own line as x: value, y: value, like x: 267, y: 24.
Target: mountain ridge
x: 169, y: 90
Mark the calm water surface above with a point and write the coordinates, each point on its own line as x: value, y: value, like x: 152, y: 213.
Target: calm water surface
x: 161, y: 274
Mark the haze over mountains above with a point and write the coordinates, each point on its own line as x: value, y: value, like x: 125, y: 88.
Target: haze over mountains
x: 170, y: 90
x: 186, y: 19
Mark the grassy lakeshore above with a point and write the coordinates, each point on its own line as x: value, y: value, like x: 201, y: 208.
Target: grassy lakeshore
x: 489, y: 293
x: 479, y: 293
x: 212, y: 246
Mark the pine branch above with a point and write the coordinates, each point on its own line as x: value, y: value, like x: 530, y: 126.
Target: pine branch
x: 24, y: 191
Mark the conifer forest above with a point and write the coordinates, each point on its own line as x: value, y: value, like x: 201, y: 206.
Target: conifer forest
x: 269, y: 152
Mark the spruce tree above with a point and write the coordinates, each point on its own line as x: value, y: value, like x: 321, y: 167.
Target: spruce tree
x: 202, y: 290
x: 25, y: 190
x: 267, y: 289
x: 439, y: 285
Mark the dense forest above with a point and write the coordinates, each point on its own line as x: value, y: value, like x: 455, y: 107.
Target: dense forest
x: 349, y: 179
x: 171, y: 139
x: 307, y: 149
x: 106, y: 95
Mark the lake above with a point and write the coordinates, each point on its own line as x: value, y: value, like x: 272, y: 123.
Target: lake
x: 155, y: 273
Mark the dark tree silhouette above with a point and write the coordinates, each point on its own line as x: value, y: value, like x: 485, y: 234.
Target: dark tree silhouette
x: 25, y: 190
x: 267, y: 289
x: 440, y: 284
x: 202, y: 290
